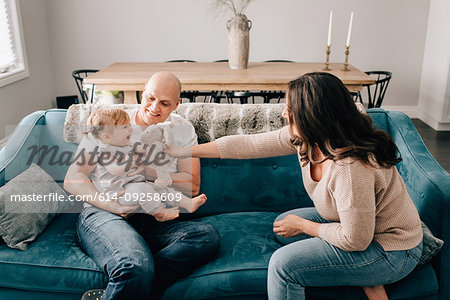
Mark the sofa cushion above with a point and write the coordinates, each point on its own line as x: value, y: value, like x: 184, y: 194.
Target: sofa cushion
x: 53, y: 262
x: 240, y: 268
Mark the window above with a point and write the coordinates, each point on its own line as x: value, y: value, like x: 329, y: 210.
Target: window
x: 13, y: 65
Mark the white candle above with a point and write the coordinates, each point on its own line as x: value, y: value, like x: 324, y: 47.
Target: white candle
x: 349, y: 30
x: 329, y: 29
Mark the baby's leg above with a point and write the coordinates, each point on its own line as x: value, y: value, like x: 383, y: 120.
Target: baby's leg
x: 127, y: 198
x: 142, y: 193
x: 193, y: 204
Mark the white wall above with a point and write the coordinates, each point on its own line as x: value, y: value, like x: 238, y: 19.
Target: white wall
x: 387, y: 35
x: 434, y: 98
x: 63, y: 35
x: 37, y: 91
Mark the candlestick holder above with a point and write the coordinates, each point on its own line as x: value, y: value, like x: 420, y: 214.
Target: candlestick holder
x: 327, y: 63
x: 347, y: 52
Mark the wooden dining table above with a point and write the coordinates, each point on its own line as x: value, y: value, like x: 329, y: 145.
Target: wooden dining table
x: 131, y: 77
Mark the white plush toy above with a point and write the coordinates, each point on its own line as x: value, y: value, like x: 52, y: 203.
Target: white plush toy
x: 155, y: 136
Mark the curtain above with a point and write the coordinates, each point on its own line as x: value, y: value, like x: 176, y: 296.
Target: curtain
x: 8, y: 55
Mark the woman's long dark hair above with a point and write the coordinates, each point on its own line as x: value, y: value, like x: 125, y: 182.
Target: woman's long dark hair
x: 323, y: 113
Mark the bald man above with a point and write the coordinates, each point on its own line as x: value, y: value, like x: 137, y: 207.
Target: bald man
x: 141, y: 254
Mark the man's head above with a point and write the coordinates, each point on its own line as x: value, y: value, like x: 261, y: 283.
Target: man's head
x: 160, y: 97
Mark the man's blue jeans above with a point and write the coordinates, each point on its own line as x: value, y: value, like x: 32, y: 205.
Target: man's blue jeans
x: 307, y: 261
x: 140, y: 255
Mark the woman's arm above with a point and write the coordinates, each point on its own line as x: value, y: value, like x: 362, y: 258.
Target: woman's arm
x: 208, y: 150
x: 353, y: 187
x: 268, y: 144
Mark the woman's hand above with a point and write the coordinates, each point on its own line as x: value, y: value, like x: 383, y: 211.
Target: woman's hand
x: 290, y: 226
x: 179, y: 152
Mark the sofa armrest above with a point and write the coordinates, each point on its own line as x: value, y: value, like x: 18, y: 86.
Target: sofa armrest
x: 13, y: 153
x: 429, y: 186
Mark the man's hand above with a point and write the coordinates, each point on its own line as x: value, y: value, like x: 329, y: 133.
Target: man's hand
x: 290, y: 226
x: 115, y: 207
x: 124, y: 211
x: 167, y: 214
x: 150, y: 174
x: 139, y: 170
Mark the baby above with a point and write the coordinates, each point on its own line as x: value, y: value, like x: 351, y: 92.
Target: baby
x: 119, y: 169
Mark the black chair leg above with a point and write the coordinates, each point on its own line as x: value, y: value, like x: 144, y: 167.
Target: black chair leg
x: 92, y: 94
x: 138, y: 99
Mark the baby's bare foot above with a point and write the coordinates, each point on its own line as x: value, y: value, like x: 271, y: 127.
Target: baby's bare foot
x: 197, y: 202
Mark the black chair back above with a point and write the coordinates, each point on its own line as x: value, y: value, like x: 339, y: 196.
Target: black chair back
x: 181, y: 60
x: 79, y: 76
x: 377, y: 91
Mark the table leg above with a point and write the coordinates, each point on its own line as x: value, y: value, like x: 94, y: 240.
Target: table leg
x: 129, y: 97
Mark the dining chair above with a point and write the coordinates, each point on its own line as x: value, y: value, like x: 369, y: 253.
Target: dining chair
x: 191, y: 96
x: 355, y: 96
x: 79, y: 76
x: 217, y: 96
x: 242, y: 96
x: 375, y: 92
x: 269, y: 95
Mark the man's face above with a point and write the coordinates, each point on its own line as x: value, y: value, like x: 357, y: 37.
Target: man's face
x: 158, y: 101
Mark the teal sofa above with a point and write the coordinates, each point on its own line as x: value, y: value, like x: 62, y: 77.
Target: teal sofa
x: 244, y: 198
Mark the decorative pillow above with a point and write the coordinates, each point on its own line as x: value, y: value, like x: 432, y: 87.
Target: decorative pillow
x: 22, y: 215
x: 431, y: 245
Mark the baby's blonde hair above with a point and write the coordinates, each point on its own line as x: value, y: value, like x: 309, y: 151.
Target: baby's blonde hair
x: 105, y: 118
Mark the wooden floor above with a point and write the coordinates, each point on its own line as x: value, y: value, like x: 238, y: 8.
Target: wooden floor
x: 437, y: 142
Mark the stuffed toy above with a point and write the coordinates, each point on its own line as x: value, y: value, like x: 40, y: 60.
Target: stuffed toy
x: 155, y: 137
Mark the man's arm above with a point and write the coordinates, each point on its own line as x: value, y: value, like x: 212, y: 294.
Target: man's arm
x: 188, y: 177
x: 77, y: 182
x: 186, y: 180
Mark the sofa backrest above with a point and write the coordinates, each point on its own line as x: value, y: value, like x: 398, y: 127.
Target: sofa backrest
x: 267, y: 184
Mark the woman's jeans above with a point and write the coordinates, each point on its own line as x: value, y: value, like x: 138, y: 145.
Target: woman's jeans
x: 140, y: 255
x: 309, y: 261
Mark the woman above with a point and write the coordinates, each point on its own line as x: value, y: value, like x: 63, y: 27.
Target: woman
x: 364, y: 229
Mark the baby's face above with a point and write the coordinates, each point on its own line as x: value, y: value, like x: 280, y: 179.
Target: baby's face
x: 121, y: 135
